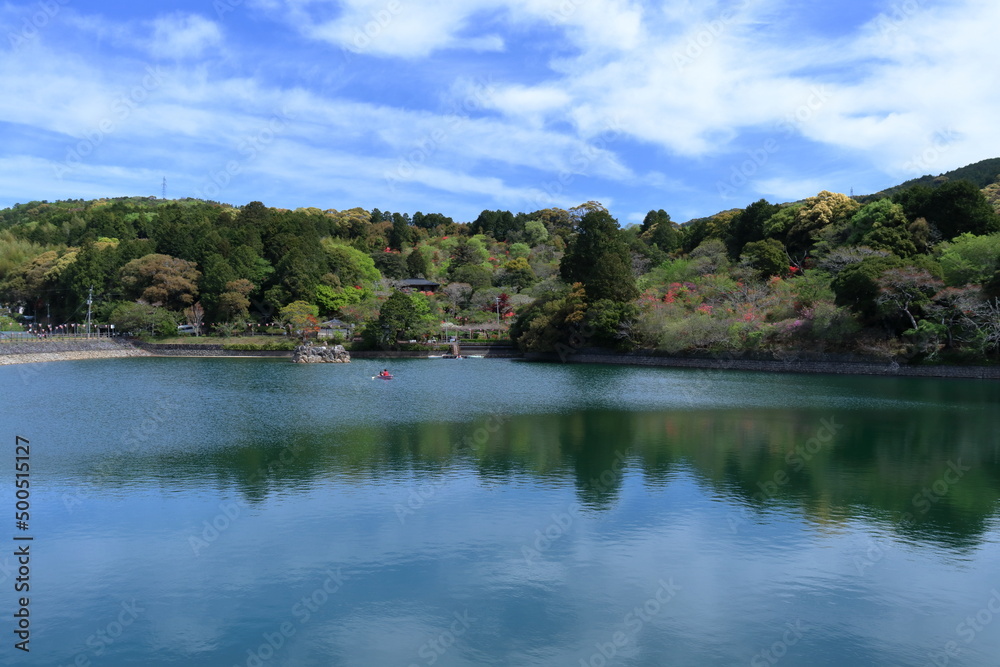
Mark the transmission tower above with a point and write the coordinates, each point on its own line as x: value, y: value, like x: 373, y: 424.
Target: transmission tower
x: 164, y: 187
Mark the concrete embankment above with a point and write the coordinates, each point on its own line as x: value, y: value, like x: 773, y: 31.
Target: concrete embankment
x: 31, y: 352
x: 813, y: 363
x: 195, y: 350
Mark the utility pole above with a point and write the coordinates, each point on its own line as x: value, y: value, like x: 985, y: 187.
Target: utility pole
x: 497, y: 299
x: 90, y: 300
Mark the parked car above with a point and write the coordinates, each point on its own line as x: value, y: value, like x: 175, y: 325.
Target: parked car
x: 187, y: 329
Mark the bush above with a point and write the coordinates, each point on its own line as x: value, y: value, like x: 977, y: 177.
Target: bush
x: 8, y: 324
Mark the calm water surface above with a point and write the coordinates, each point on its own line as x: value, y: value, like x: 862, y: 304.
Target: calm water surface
x: 226, y: 512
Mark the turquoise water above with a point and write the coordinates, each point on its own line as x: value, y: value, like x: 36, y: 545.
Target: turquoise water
x: 489, y: 512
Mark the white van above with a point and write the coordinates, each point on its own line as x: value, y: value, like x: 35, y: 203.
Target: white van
x: 187, y: 329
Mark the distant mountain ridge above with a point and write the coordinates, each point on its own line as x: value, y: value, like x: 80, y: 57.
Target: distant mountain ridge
x: 982, y: 174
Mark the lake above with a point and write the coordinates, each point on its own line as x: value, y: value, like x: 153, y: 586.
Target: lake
x: 248, y: 512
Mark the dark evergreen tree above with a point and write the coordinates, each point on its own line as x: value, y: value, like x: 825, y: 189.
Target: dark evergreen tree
x: 417, y: 265
x: 954, y: 208
x: 748, y: 226
x: 598, y: 257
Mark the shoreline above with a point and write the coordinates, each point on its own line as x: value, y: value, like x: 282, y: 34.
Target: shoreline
x: 39, y: 352
x: 68, y: 355
x: 814, y: 366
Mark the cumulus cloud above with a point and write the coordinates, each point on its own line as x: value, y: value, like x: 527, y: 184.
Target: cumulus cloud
x: 613, y: 98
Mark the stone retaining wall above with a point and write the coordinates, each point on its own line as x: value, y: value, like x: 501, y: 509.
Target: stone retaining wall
x: 29, y: 352
x: 209, y: 350
x: 43, y: 346
x: 884, y: 368
x: 390, y: 354
x: 217, y: 351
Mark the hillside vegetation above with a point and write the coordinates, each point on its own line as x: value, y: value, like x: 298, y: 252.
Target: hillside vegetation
x: 912, y: 273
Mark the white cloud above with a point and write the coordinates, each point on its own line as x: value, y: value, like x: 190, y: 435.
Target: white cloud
x: 183, y: 36
x: 625, y: 93
x: 395, y: 27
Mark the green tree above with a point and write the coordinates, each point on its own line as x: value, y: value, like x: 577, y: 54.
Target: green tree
x: 970, y: 259
x: 610, y: 323
x: 497, y: 224
x: 138, y: 318
x: 518, y: 273
x: 535, y: 233
x: 396, y: 317
x: 400, y: 234
x: 162, y: 280
x: 598, y: 258
x: 906, y: 290
x: 417, y: 265
x: 467, y: 252
x: 748, y: 225
x: 336, y: 299
x: 350, y: 265
x: 475, y: 275
x: 300, y: 318
x: 857, y: 285
x: 390, y: 264
x: 234, y: 302
x: 768, y: 257
x: 554, y: 322
x: 954, y: 208
x: 826, y: 210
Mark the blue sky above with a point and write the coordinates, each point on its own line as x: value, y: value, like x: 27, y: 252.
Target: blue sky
x: 455, y: 106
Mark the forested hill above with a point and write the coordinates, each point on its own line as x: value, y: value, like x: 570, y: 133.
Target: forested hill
x: 981, y: 174
x: 917, y: 272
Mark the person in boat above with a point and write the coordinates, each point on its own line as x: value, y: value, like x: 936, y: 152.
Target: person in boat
x: 385, y: 373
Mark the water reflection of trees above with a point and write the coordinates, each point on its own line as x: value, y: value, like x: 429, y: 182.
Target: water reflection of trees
x: 876, y: 467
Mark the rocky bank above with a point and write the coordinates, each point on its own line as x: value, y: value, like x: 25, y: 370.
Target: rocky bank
x: 311, y: 354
